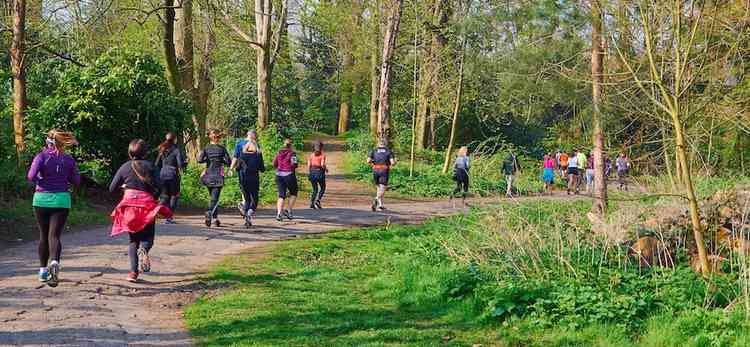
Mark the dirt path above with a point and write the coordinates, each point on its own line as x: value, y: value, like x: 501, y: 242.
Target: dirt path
x: 95, y: 306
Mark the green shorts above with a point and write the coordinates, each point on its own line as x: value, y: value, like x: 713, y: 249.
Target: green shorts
x: 51, y: 200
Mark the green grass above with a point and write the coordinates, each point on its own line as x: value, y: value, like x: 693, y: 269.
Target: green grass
x: 448, y: 282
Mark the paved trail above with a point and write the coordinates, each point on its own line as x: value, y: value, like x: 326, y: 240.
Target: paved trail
x: 95, y: 306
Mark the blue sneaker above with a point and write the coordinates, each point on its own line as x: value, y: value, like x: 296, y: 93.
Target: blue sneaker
x: 43, y: 275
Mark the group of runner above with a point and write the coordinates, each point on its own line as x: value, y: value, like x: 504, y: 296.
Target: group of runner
x: 579, y: 166
x: 153, y: 189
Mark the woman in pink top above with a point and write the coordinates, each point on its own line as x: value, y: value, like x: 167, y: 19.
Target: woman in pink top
x: 549, y: 172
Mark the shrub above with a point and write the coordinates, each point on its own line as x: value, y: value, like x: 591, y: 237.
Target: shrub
x: 123, y: 95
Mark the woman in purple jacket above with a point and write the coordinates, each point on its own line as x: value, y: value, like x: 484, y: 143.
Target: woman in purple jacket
x: 53, y: 172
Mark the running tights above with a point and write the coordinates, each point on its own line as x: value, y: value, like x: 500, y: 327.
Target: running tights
x: 318, y: 182
x: 462, y: 184
x: 51, y: 223
x: 143, y: 238
x: 213, y: 206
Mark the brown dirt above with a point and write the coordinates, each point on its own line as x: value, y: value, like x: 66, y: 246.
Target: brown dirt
x: 95, y: 306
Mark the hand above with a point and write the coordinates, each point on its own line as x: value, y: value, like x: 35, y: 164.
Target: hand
x: 230, y: 173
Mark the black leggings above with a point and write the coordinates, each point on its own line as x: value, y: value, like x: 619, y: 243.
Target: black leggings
x: 171, y: 193
x: 462, y: 183
x: 213, y: 205
x: 250, y: 185
x: 318, y: 181
x: 143, y: 238
x: 51, y: 223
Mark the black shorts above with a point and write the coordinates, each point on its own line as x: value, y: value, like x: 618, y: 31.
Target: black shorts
x: 172, y: 187
x: 287, y: 183
x: 573, y: 171
x: 380, y: 177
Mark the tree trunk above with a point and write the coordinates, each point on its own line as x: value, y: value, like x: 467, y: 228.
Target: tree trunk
x: 374, y: 73
x: 263, y: 10
x: 374, y: 91
x: 456, y: 109
x: 204, y: 82
x: 695, y: 217
x: 597, y: 74
x: 170, y: 56
x: 184, y: 47
x: 430, y: 82
x: 18, y: 71
x: 346, y: 93
x: 389, y: 46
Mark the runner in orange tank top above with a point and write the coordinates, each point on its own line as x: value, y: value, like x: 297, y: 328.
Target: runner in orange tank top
x: 316, y: 164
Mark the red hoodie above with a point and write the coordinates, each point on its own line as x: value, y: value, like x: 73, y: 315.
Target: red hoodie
x: 283, y: 161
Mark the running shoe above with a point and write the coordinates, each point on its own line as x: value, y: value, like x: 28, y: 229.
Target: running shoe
x: 144, y: 261
x: 208, y: 219
x: 374, y: 205
x: 318, y: 205
x: 132, y: 277
x: 382, y: 208
x: 312, y: 206
x: 288, y: 214
x: 248, y: 221
x: 170, y: 221
x: 279, y: 218
x: 43, y: 275
x: 54, y: 272
x: 217, y: 223
x: 241, y: 207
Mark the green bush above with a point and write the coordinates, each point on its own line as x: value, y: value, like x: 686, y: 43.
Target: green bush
x: 122, y: 96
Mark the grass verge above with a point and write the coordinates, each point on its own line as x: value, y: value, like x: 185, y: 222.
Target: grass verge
x: 506, y: 276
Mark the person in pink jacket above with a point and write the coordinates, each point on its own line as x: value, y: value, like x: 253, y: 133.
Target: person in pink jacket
x: 286, y: 163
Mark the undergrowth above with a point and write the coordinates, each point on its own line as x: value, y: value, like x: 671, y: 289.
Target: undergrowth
x: 525, y: 274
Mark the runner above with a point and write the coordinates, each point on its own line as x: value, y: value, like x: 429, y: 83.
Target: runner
x: 170, y: 163
x: 573, y: 173
x: 250, y: 167
x: 251, y: 136
x: 564, y: 166
x: 549, y: 173
x: 607, y: 166
x: 286, y: 163
x: 590, y: 175
x: 622, y: 164
x: 381, y: 159
x: 136, y: 213
x: 53, y: 172
x: 510, y: 168
x: 215, y: 156
x: 461, y: 173
x: 316, y: 166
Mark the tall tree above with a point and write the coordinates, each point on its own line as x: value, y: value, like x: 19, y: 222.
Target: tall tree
x: 18, y: 71
x: 597, y: 79
x: 375, y: 9
x: 456, y: 110
x: 389, y: 46
x: 431, y: 72
x: 267, y: 43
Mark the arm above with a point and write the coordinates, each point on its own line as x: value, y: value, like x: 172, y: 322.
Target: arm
x: 36, y: 165
x: 323, y: 163
x: 309, y: 162
x: 233, y: 166
x: 118, y: 180
x: 202, y: 157
x: 276, y: 162
x: 180, y: 161
x: 261, y: 164
x: 159, y: 162
x: 75, y: 175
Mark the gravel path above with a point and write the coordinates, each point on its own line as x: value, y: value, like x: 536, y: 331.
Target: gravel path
x: 95, y: 306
